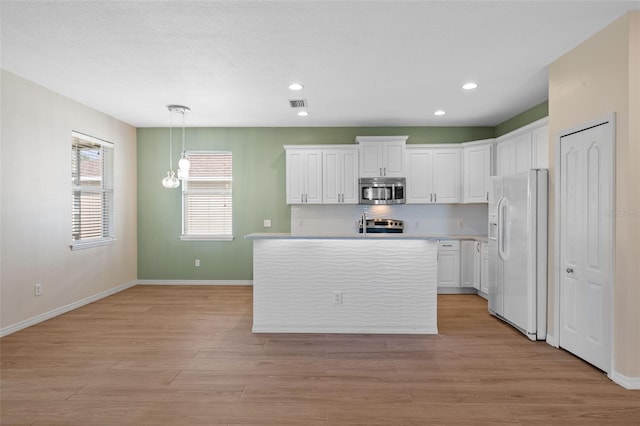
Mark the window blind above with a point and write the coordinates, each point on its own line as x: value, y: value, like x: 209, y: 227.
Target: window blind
x: 207, y: 196
x: 91, y: 189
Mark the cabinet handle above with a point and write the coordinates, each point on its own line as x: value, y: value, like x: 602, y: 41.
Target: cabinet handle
x: 487, y: 196
x: 447, y: 245
x: 435, y: 198
x: 569, y: 270
x: 431, y: 198
x: 385, y: 171
x: 380, y: 171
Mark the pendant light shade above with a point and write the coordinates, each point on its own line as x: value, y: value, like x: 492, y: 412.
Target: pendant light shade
x: 171, y: 181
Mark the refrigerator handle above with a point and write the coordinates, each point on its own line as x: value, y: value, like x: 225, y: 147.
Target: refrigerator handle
x: 501, y: 253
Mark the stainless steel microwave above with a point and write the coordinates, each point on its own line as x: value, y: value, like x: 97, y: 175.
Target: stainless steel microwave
x: 382, y: 190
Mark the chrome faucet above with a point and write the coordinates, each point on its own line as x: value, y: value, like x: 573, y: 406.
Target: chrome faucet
x: 364, y: 224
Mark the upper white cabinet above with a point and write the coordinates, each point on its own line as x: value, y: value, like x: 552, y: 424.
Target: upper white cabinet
x: 304, y: 175
x: 433, y: 175
x: 477, y: 171
x: 540, y: 148
x: 523, y: 149
x: 382, y: 155
x: 340, y: 175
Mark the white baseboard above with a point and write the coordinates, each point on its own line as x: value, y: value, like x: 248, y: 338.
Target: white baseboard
x: 194, y: 282
x: 624, y: 381
x: 63, y: 309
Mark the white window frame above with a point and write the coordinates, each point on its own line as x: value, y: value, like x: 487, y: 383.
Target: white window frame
x: 186, y: 191
x: 106, y: 190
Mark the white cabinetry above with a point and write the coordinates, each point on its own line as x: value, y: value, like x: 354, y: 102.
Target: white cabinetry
x: 340, y: 176
x: 448, y: 263
x: 477, y: 172
x: 523, y: 149
x: 470, y: 264
x: 540, y: 148
x: 303, y: 176
x: 484, y: 268
x: 382, y: 155
x: 433, y: 175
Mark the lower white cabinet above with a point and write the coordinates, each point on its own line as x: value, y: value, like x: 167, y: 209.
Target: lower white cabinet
x: 484, y: 268
x: 448, y: 263
x: 470, y: 264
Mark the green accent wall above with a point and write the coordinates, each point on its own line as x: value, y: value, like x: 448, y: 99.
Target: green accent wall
x: 258, y: 192
x: 529, y: 116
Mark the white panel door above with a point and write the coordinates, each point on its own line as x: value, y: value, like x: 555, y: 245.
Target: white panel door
x: 586, y: 244
x: 393, y: 159
x: 419, y: 176
x: 349, y: 175
x: 370, y: 159
x: 313, y: 176
x: 447, y: 176
x: 331, y: 177
x: 477, y: 172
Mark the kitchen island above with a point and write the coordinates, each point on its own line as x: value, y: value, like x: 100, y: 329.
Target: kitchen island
x: 344, y: 284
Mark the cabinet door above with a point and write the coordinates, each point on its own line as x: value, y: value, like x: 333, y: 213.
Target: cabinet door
x: 477, y: 174
x: 349, y: 177
x: 331, y: 168
x: 476, y: 264
x: 449, y: 268
x: 393, y: 159
x: 467, y: 251
x: 419, y: 176
x: 370, y: 159
x: 446, y: 175
x: 340, y: 176
x: 540, y: 148
x: 522, y: 152
x: 506, y: 158
x: 295, y: 179
x: 313, y: 176
x: 484, y: 268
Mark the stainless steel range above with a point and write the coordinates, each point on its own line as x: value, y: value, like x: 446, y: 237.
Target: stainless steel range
x: 382, y: 226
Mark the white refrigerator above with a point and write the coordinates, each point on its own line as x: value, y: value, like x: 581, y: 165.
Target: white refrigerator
x: 518, y: 251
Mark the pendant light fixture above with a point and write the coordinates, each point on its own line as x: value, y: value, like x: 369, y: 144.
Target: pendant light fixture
x: 171, y: 181
x: 183, y: 164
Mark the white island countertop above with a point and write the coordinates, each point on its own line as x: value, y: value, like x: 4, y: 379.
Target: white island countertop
x: 389, y: 236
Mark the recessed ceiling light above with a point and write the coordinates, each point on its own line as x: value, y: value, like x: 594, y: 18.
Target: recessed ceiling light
x: 295, y: 86
x: 439, y: 112
x: 469, y: 86
x: 303, y: 113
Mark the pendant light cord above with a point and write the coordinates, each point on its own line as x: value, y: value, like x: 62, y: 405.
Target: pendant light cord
x: 170, y: 141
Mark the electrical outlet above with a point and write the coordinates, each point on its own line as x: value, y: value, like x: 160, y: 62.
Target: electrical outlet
x: 197, y: 263
x: 337, y: 297
x: 37, y: 289
x: 267, y: 223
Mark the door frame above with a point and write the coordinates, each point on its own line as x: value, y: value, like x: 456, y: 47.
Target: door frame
x: 610, y: 292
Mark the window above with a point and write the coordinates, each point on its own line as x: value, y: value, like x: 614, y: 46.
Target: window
x: 91, y: 191
x: 207, y: 197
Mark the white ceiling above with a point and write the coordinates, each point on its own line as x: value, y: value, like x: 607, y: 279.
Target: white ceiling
x: 363, y: 63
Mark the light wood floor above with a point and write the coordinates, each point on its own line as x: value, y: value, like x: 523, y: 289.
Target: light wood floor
x: 186, y: 355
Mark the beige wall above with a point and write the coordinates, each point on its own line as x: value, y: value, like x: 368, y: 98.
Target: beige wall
x: 36, y: 203
x: 600, y: 76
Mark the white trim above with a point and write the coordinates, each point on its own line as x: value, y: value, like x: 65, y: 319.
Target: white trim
x: 529, y: 127
x: 194, y: 282
x: 279, y: 328
x: 608, y: 118
x: 552, y: 340
x: 624, y: 381
x: 207, y: 237
x: 64, y: 309
x: 84, y: 244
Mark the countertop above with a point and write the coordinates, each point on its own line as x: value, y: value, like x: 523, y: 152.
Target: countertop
x: 403, y: 236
